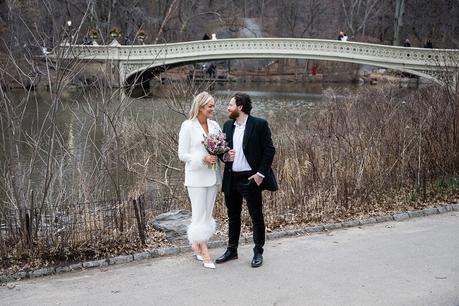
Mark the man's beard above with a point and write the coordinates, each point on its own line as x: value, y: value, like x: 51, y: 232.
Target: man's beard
x: 234, y: 114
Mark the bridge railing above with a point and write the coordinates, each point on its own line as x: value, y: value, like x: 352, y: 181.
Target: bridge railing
x: 266, y: 46
x: 133, y: 59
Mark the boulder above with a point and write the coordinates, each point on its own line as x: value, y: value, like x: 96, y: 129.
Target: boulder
x: 173, y: 223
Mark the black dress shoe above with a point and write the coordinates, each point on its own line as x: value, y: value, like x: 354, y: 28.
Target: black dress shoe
x: 257, y: 260
x: 229, y: 255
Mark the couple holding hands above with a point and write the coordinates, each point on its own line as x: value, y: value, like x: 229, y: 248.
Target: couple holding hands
x: 247, y: 172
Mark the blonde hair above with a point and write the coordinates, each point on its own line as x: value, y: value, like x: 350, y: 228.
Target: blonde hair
x: 199, y: 101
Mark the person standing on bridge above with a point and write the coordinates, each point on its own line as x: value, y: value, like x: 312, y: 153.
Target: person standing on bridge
x: 247, y: 173
x: 202, y: 173
x: 428, y: 44
x: 407, y: 43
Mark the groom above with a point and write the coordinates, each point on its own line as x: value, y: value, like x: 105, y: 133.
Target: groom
x: 247, y: 172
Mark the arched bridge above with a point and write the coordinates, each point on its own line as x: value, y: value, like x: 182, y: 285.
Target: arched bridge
x: 133, y: 60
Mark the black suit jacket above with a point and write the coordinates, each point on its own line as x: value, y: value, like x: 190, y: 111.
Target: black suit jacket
x: 258, y: 150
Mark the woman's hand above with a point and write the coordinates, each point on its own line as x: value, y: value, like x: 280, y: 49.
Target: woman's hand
x: 210, y: 159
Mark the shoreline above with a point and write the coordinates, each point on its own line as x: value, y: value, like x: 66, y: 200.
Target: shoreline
x: 169, y: 78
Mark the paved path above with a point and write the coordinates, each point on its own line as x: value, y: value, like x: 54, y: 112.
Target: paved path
x: 414, y: 262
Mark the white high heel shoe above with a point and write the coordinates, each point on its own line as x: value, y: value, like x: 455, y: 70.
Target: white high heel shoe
x: 199, y: 257
x: 209, y: 265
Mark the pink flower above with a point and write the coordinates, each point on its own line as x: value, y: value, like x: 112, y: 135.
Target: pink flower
x: 216, y: 144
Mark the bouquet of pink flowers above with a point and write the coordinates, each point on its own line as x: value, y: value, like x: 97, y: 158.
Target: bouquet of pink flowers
x: 216, y: 144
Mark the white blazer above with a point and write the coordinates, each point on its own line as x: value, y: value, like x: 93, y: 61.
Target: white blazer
x: 191, y: 150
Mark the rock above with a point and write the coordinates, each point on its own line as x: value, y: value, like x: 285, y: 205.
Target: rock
x: 10, y: 285
x: 351, y: 223
x: 401, y: 216
x: 442, y: 209
x: 314, y: 229
x: 332, y: 226
x: 367, y: 221
x: 20, y: 275
x: 384, y: 218
x: 63, y: 269
x: 415, y: 213
x: 120, y: 259
x: 173, y: 223
x: 430, y: 211
x: 95, y: 263
x: 76, y: 266
x: 141, y: 256
x: 168, y: 251
x: 42, y: 272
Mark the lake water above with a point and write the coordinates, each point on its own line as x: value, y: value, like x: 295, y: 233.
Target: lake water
x: 84, y: 120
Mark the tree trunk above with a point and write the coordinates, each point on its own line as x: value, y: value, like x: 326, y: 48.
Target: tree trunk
x: 398, y: 20
x: 165, y: 20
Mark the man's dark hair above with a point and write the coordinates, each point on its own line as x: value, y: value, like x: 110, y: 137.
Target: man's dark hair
x: 244, y: 100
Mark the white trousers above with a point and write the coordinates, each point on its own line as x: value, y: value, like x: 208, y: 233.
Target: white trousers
x: 202, y: 225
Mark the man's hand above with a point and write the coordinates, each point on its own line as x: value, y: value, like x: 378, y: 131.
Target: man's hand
x: 258, y: 179
x: 230, y: 155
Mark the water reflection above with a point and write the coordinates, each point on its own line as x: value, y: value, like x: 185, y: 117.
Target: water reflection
x: 266, y: 97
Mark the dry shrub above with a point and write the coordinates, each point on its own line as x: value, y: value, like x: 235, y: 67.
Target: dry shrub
x: 376, y: 150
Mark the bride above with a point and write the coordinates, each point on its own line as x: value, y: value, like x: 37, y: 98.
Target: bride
x: 202, y: 174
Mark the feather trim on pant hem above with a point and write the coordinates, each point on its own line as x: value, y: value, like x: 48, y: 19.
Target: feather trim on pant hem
x: 201, y: 232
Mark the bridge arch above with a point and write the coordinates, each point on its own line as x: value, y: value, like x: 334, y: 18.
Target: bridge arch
x: 152, y: 69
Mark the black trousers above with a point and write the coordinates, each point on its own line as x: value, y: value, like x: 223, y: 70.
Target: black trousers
x: 241, y: 188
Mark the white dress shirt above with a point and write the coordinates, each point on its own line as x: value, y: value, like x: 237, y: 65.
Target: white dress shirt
x: 240, y: 162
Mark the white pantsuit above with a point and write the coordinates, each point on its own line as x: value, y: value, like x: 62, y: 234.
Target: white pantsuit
x: 202, y: 225
x: 201, y: 180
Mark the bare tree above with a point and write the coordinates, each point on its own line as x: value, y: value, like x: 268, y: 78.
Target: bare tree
x: 313, y: 12
x: 168, y: 15
x: 398, y: 20
x: 358, y: 14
